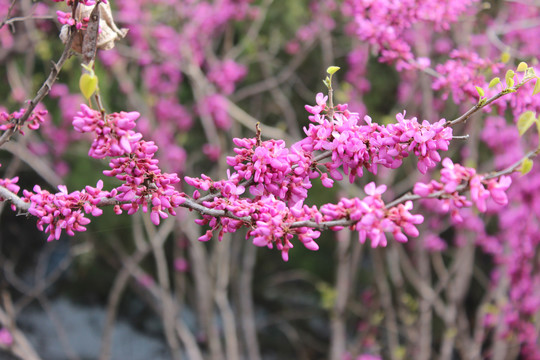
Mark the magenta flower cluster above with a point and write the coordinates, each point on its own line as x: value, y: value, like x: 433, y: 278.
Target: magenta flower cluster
x: 65, y: 18
x: 460, y: 74
x: 356, y: 146
x: 270, y: 220
x: 273, y: 222
x: 226, y: 74
x: 279, y: 178
x: 6, y: 338
x: 274, y: 169
x: 133, y: 162
x: 11, y: 185
x: 8, y: 121
x: 372, y: 219
x: 481, y: 189
x: 63, y: 210
x: 385, y: 24
x: 114, y: 134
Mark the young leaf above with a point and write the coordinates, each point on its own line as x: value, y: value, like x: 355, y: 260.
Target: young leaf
x: 536, y: 86
x: 510, y: 82
x: 509, y: 78
x: 326, y: 82
x: 494, y: 82
x: 88, y: 84
x: 525, y: 121
x: 522, y: 67
x: 505, y: 57
x: 526, y: 166
x: 332, y: 70
x: 480, y: 91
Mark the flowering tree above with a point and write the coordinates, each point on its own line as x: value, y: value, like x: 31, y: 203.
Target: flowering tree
x: 447, y: 203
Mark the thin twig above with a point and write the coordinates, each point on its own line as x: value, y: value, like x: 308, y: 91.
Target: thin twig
x: 11, y: 6
x: 485, y: 102
x: 24, y: 18
x: 43, y: 91
x: 324, y: 225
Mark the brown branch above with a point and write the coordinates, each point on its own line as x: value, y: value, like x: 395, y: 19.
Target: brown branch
x: 19, y: 203
x: 43, y: 91
x: 485, y: 102
x: 24, y: 18
x: 438, y: 194
x: 324, y: 225
x: 6, y: 19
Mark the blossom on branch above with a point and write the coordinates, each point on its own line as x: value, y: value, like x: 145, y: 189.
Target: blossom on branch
x: 454, y: 176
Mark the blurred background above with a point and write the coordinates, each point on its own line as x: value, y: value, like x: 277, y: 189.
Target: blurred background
x: 201, y: 73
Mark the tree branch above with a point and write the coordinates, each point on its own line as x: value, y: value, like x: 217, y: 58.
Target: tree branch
x: 43, y: 91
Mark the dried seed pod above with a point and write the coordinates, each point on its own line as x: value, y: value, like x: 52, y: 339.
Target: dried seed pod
x: 89, y: 45
x: 108, y: 34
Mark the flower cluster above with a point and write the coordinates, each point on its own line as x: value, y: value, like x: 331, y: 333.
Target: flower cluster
x: 226, y: 74
x: 459, y: 75
x: 481, y: 189
x: 6, y: 338
x: 274, y: 169
x: 65, y: 18
x: 371, y: 217
x: 279, y: 178
x: 11, y: 185
x: 84, y: 2
x: 273, y: 222
x: 133, y: 162
x: 216, y: 106
x: 114, y: 134
x: 269, y: 219
x: 384, y: 24
x: 63, y: 210
x: 8, y: 121
x: 356, y: 146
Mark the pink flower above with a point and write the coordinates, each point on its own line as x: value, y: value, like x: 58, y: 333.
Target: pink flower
x: 6, y: 338
x: 226, y: 74
x: 181, y: 264
x: 497, y: 189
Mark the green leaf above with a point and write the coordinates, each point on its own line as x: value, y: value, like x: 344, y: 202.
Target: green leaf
x: 509, y: 78
x: 494, y: 82
x: 536, y: 86
x: 400, y: 352
x: 480, y: 91
x: 526, y: 166
x: 505, y: 57
x: 88, y: 84
x: 525, y: 121
x: 451, y: 332
x: 89, y: 68
x: 510, y: 82
x: 522, y: 67
x: 328, y: 295
x: 326, y: 82
x: 332, y: 70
